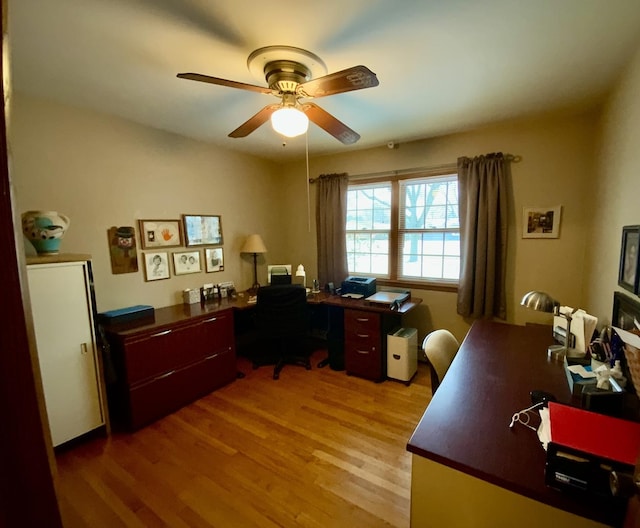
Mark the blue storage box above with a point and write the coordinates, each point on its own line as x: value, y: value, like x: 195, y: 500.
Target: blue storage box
x: 124, y: 315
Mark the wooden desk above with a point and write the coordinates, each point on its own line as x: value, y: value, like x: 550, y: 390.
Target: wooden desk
x: 471, y: 469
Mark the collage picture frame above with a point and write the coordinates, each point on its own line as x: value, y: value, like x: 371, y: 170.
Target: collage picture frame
x: 202, y: 230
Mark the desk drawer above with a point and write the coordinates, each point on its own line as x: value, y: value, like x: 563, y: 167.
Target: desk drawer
x: 359, y: 324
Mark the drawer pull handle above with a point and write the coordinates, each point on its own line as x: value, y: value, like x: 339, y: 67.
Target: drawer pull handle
x: 212, y: 356
x: 362, y: 319
x: 362, y: 335
x: 210, y: 320
x: 159, y: 334
x: 165, y: 375
x: 362, y: 351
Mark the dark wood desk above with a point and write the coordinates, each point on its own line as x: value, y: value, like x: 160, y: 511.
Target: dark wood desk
x: 468, y: 463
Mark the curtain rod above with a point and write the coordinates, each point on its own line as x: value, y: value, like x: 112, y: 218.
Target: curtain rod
x: 434, y: 168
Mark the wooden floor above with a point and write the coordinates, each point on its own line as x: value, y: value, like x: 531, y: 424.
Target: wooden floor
x: 313, y: 449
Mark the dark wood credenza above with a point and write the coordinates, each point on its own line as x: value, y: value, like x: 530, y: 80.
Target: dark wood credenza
x: 184, y: 353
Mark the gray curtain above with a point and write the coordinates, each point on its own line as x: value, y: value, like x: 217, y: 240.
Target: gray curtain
x: 331, y: 217
x: 483, y: 234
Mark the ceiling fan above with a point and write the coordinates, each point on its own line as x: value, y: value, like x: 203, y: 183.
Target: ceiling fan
x: 293, y: 74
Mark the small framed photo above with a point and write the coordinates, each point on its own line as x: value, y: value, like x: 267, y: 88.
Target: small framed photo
x: 626, y: 312
x: 160, y: 233
x: 629, y: 274
x: 215, y: 259
x: 541, y: 222
x: 186, y: 262
x: 156, y: 265
x: 202, y: 230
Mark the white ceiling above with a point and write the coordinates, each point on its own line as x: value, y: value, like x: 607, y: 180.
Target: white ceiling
x: 443, y: 65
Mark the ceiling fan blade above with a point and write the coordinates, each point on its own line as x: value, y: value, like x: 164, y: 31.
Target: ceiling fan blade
x: 355, y: 78
x: 330, y: 124
x: 254, y: 122
x: 225, y: 82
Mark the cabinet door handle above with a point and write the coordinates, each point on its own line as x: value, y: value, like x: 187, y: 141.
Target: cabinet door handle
x: 165, y: 375
x: 161, y: 333
x: 362, y: 319
x: 83, y: 349
x: 362, y: 335
x: 212, y: 356
x: 210, y: 320
x: 362, y: 351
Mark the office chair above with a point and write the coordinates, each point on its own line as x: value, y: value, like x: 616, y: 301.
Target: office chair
x: 440, y: 347
x: 282, y: 320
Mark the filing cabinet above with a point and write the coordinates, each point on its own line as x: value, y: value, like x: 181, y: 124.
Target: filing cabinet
x: 162, y: 367
x: 365, y: 343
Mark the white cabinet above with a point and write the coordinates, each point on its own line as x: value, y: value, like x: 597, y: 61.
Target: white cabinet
x: 62, y: 308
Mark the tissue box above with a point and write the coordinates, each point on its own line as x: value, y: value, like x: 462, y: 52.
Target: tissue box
x: 577, y: 382
x: 191, y: 296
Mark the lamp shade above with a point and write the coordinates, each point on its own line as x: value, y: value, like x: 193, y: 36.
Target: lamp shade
x: 540, y: 301
x: 289, y: 121
x: 253, y: 244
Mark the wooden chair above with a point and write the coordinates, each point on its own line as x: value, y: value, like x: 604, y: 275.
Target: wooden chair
x: 440, y: 347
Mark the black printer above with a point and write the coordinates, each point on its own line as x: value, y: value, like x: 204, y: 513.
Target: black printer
x: 364, y: 286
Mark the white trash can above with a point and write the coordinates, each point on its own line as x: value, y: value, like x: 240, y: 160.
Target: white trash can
x: 402, y: 354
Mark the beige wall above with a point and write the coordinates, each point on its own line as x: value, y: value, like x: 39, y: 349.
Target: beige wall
x: 557, y: 168
x: 616, y: 201
x: 103, y: 171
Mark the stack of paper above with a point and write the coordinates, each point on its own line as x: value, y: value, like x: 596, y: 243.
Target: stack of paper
x: 582, y: 326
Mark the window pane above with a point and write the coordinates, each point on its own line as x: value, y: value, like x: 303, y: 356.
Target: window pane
x: 433, y: 243
x: 432, y: 267
x: 452, y: 244
x: 428, y: 228
x: 451, y: 268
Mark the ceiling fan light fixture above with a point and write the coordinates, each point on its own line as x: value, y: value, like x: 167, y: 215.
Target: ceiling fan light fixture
x: 289, y: 121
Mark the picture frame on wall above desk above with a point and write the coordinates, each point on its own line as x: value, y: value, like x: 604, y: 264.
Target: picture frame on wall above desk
x: 214, y: 259
x: 160, y: 233
x: 202, y: 230
x: 185, y: 262
x: 629, y: 272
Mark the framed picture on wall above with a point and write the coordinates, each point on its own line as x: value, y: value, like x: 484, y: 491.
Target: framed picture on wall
x: 541, y: 222
x: 215, y: 259
x: 202, y: 230
x: 626, y: 312
x: 160, y: 233
x: 186, y: 262
x: 156, y: 265
x: 629, y: 274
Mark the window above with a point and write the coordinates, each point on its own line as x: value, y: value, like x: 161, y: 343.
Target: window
x: 405, y: 229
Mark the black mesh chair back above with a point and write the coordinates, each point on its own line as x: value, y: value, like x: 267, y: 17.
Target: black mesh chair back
x: 282, y: 321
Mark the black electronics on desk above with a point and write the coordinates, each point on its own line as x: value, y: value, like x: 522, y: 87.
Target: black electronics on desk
x: 364, y: 286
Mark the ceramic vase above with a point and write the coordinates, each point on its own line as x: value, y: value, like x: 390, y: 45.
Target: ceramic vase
x: 45, y: 230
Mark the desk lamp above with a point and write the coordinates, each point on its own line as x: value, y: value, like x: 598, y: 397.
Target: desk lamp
x: 543, y: 302
x: 255, y: 245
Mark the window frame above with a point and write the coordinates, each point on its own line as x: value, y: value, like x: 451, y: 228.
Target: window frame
x: 394, y: 234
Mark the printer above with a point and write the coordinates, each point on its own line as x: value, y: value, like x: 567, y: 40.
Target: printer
x: 364, y: 286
